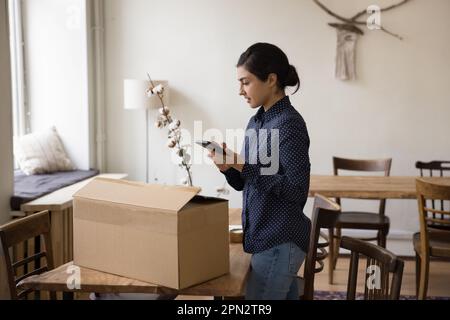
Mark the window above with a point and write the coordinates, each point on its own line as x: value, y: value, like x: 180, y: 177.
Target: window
x: 19, y: 107
x: 50, y: 51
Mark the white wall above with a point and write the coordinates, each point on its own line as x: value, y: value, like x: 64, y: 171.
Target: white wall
x: 6, y: 159
x: 56, y: 65
x: 399, y: 107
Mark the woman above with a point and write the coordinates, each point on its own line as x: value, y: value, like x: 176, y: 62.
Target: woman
x: 276, y: 231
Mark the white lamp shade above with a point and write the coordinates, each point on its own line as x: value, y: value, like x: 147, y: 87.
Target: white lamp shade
x: 135, y: 94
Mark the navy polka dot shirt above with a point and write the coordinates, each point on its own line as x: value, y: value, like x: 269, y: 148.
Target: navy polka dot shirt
x: 273, y: 203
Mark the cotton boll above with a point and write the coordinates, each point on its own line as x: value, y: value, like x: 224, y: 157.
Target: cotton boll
x: 150, y: 93
x: 186, y: 158
x: 171, y: 143
x: 165, y: 111
x: 174, y: 125
x: 159, y: 89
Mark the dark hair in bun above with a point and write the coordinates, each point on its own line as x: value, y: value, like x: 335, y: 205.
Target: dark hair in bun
x: 262, y: 59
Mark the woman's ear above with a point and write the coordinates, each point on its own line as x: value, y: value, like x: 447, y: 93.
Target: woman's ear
x: 272, y: 79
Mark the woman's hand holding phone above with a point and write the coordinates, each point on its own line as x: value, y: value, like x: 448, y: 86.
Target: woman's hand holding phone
x: 228, y: 159
x: 220, y: 160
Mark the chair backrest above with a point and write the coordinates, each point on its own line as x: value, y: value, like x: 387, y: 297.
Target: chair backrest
x: 17, y: 232
x: 433, y: 168
x: 384, y: 271
x: 325, y: 214
x: 376, y: 165
x: 431, y: 218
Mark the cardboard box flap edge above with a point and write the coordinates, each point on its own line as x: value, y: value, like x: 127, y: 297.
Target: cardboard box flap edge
x: 170, y: 198
x: 208, y: 197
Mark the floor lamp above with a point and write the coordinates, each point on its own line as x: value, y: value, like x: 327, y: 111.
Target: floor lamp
x: 135, y: 98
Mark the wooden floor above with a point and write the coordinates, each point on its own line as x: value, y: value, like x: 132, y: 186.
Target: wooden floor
x: 439, y: 281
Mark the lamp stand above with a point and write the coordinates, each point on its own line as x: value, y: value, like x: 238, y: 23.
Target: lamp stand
x: 146, y: 145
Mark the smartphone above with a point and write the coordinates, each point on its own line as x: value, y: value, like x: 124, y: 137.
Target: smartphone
x: 211, y: 145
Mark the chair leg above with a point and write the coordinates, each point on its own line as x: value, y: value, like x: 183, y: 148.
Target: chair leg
x: 331, y: 255
x: 423, y: 281
x: 337, y: 245
x: 382, y: 235
x: 417, y: 274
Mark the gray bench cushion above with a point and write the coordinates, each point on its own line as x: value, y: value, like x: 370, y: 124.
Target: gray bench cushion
x: 28, y: 188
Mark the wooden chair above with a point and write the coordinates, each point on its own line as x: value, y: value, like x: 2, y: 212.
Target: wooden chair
x: 434, y: 237
x: 17, y: 232
x: 325, y: 214
x: 360, y: 220
x: 384, y: 271
x: 435, y: 169
x: 433, y: 166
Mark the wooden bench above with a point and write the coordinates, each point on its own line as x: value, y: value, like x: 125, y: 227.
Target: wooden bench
x: 59, y: 204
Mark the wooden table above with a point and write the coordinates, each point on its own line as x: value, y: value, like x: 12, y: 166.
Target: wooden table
x: 368, y: 187
x: 229, y: 285
x: 59, y: 205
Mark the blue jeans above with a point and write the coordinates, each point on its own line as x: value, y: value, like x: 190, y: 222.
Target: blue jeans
x: 273, y: 274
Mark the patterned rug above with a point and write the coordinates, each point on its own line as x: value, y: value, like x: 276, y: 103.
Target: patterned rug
x: 341, y: 295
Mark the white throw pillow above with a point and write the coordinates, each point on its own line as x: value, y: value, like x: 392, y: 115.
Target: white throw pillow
x: 41, y: 152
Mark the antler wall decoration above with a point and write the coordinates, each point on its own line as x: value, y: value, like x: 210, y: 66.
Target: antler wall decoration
x: 347, y: 35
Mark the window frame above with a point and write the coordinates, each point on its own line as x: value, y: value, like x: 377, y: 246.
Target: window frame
x: 21, y: 123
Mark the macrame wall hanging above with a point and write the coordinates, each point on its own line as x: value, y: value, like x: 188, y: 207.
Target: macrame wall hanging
x: 348, y: 32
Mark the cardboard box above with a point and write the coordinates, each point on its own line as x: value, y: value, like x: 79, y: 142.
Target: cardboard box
x: 166, y: 235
